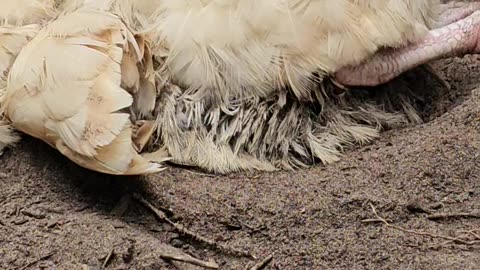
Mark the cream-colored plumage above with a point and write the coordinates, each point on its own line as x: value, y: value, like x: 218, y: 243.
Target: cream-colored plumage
x: 224, y: 85
x: 64, y: 88
x: 248, y: 48
x: 19, y: 23
x: 249, y: 74
x: 12, y: 40
x: 135, y: 13
x: 23, y: 12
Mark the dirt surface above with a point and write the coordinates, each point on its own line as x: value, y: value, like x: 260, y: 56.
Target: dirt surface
x: 55, y: 215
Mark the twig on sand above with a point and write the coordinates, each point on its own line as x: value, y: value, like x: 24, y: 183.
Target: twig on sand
x: 108, y: 258
x: 44, y: 257
x: 262, y: 264
x: 463, y: 239
x: 189, y: 259
x: 180, y: 228
x: 374, y: 220
x: 453, y: 215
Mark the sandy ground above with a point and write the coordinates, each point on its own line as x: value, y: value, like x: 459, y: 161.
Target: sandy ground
x: 55, y: 215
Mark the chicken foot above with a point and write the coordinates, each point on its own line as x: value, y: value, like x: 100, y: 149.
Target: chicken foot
x: 455, y: 39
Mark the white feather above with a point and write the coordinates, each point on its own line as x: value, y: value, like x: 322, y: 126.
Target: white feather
x: 64, y: 88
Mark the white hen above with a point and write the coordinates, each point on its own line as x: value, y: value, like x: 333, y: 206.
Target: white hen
x: 236, y: 84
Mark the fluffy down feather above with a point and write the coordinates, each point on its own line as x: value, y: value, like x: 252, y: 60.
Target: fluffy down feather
x: 22, y: 12
x: 243, y: 49
x: 248, y: 74
x: 135, y: 13
x: 64, y: 88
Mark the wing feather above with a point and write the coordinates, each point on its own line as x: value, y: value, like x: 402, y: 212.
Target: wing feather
x: 65, y: 88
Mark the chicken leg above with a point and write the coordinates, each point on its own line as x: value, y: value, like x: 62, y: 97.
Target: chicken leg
x: 454, y: 11
x: 455, y: 39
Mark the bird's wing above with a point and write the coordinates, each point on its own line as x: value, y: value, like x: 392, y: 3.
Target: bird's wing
x: 64, y: 88
x: 135, y: 14
x: 17, y: 19
x: 12, y: 40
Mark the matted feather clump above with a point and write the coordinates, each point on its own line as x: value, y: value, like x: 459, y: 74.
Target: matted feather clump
x: 119, y: 89
x: 282, y: 132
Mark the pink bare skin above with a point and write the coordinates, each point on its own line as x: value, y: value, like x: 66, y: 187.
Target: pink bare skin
x: 454, y: 12
x: 458, y: 34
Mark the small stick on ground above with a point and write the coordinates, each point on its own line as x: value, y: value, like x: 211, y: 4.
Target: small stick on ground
x: 33, y: 214
x: 477, y: 236
x: 108, y: 258
x: 374, y: 220
x: 44, y: 257
x: 180, y: 228
x: 190, y: 260
x: 261, y: 265
x: 458, y: 240
x: 453, y: 215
